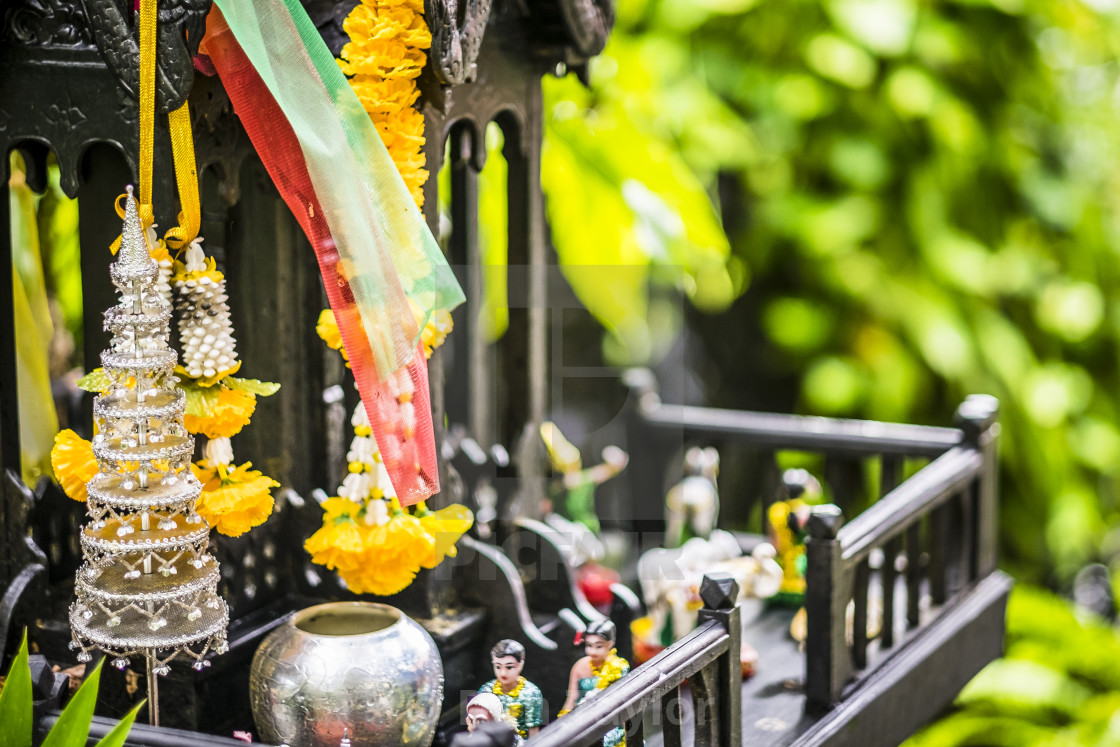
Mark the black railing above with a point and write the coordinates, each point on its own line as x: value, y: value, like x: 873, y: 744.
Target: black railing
x: 919, y: 543
x: 708, y: 658
x: 932, y: 535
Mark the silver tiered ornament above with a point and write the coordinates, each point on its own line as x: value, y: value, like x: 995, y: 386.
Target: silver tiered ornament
x: 147, y: 586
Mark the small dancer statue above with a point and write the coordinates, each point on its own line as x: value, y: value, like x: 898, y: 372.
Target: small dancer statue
x: 595, y: 672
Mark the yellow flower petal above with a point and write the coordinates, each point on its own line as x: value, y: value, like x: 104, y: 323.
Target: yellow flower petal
x: 73, y: 463
x: 236, y: 503
x: 230, y: 415
x: 445, y: 526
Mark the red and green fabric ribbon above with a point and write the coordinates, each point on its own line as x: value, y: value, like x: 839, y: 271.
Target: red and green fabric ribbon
x: 379, y: 261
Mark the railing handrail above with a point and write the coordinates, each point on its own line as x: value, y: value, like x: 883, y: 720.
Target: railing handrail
x: 915, y: 497
x: 630, y: 696
x: 781, y: 431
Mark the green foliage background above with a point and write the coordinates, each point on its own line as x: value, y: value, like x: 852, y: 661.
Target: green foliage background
x: 920, y: 200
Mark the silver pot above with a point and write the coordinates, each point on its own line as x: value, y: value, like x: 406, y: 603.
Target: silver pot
x: 363, y: 668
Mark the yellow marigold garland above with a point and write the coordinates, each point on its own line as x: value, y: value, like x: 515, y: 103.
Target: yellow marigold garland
x: 376, y: 546
x: 611, y: 671
x: 383, y: 58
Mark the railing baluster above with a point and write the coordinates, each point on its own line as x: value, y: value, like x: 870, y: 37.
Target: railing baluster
x: 913, y: 574
x: 722, y: 681
x: 827, y: 661
x: 889, y: 476
x: 938, y: 565
x: 890, y: 471
x: 671, y: 718
x: 966, y: 560
x: 838, y: 477
x: 705, y: 707
x: 977, y: 419
x: 635, y: 732
x: 859, y: 616
x: 889, y: 575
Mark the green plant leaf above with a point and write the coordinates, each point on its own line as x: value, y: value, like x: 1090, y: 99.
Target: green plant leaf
x: 253, y: 386
x: 116, y: 737
x: 96, y: 381
x: 15, y: 702
x: 72, y: 727
x: 201, y: 400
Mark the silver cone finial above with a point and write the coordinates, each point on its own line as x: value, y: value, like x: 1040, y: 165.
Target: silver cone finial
x: 134, y: 259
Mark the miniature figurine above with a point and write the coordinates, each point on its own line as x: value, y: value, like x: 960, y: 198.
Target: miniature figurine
x: 692, y: 505
x: 487, y: 733
x: 670, y: 582
x: 486, y: 708
x: 786, y: 521
x: 521, y: 699
x: 595, y: 672
x: 578, y: 484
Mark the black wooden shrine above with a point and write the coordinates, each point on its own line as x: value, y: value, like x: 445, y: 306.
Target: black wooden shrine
x: 924, y: 549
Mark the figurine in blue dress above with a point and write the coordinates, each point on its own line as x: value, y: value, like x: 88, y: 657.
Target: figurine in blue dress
x: 595, y: 672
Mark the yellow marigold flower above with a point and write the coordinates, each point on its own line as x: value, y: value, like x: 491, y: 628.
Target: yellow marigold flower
x: 327, y: 329
x: 341, y: 508
x: 445, y: 526
x: 230, y: 414
x: 372, y: 576
x: 383, y: 58
x: 384, y: 96
x: 338, y: 544
x: 233, y: 501
x: 436, y: 331
x: 403, y: 537
x: 388, y: 58
x: 73, y: 463
x: 391, y: 558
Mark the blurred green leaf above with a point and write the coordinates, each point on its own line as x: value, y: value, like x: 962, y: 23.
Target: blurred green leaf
x: 883, y: 26
x: 1029, y: 689
x: 72, y: 727
x: 834, y: 386
x: 16, y: 701
x: 119, y: 733
x: 96, y: 381
x: 253, y: 386
x: 796, y: 324
x: 837, y: 59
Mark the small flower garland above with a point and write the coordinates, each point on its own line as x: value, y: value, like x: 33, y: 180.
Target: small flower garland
x: 234, y: 498
x: 377, y: 546
x: 513, y: 709
x: 611, y: 671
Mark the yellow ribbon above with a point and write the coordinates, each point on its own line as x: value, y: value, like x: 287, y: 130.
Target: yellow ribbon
x: 147, y: 115
x: 182, y: 145
x: 186, y: 176
x: 147, y: 104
